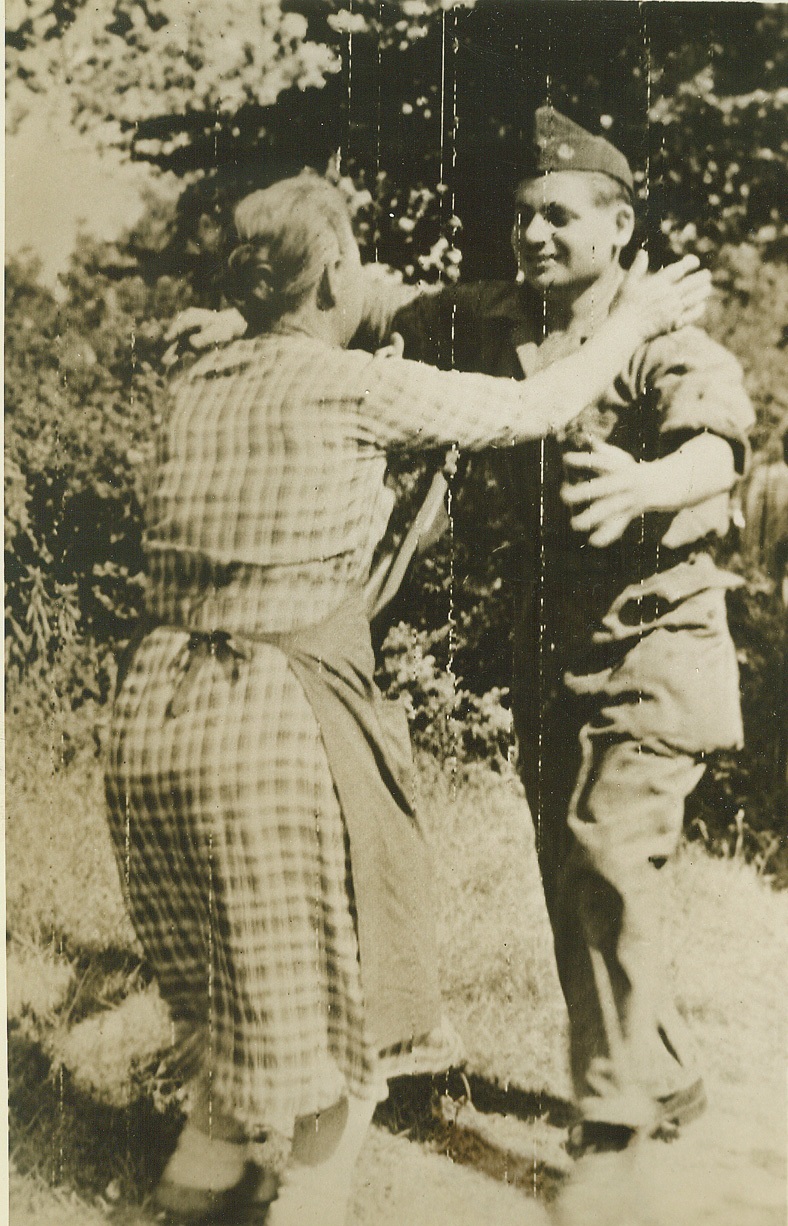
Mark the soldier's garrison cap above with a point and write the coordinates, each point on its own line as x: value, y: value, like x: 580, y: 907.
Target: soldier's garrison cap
x: 561, y: 144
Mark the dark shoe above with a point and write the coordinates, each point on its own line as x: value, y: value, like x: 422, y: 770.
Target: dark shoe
x: 595, y: 1137
x: 176, y: 1204
x: 678, y: 1109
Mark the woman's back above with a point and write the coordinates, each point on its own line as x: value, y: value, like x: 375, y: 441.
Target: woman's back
x: 266, y: 504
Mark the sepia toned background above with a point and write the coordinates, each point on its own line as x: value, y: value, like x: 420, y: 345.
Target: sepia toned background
x: 133, y: 127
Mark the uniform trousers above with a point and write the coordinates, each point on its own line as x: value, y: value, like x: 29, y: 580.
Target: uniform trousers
x: 608, y: 756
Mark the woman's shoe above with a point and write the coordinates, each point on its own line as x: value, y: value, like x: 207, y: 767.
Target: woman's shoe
x: 181, y: 1205
x: 433, y: 1053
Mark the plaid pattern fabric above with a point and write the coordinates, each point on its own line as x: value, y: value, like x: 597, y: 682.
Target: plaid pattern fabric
x: 234, y: 858
x: 266, y: 504
x: 268, y: 498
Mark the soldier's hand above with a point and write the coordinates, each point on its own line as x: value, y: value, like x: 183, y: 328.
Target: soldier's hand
x: 610, y: 493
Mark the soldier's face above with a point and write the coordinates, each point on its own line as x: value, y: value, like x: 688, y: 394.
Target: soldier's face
x: 563, y: 236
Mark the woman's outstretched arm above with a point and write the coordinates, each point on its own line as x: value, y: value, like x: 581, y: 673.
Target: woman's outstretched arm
x: 414, y: 405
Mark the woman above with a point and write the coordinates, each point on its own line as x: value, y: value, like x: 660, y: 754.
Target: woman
x: 259, y: 794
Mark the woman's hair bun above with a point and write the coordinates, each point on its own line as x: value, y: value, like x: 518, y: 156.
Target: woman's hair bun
x: 249, y: 273
x: 241, y: 255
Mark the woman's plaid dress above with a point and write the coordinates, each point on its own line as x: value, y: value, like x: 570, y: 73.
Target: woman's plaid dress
x: 267, y: 502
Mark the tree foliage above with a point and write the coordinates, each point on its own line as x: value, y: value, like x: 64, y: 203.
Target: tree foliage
x: 416, y: 93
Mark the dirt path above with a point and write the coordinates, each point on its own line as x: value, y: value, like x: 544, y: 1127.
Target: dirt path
x: 402, y: 1184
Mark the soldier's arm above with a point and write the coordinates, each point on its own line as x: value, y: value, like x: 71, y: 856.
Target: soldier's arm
x: 704, y: 414
x: 440, y: 325
x: 696, y: 386
x: 618, y: 488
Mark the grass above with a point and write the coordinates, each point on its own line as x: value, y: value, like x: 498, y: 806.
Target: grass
x: 499, y: 977
x: 33, y: 1201
x: 85, y: 1022
x: 62, y: 887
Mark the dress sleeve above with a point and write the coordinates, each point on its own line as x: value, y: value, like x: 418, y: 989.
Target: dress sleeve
x: 697, y: 386
x: 397, y: 403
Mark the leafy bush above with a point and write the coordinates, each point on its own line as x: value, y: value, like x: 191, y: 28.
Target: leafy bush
x: 741, y: 805
x: 748, y: 316
x: 83, y: 394
x: 445, y: 717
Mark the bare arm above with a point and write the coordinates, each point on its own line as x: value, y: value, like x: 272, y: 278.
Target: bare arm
x: 416, y: 406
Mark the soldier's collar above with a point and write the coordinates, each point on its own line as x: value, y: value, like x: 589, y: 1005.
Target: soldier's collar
x: 593, y: 309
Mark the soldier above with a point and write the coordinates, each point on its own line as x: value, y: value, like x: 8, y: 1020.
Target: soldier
x: 625, y: 674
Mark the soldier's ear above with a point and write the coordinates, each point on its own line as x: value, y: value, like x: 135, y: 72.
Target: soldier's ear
x: 625, y: 224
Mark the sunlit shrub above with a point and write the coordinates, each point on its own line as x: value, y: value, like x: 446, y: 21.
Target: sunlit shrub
x: 446, y: 718
x: 105, y: 1051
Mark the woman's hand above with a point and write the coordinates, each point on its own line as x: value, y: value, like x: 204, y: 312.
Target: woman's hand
x: 663, y: 301
x: 204, y: 328
x: 615, y: 492
x: 394, y: 349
